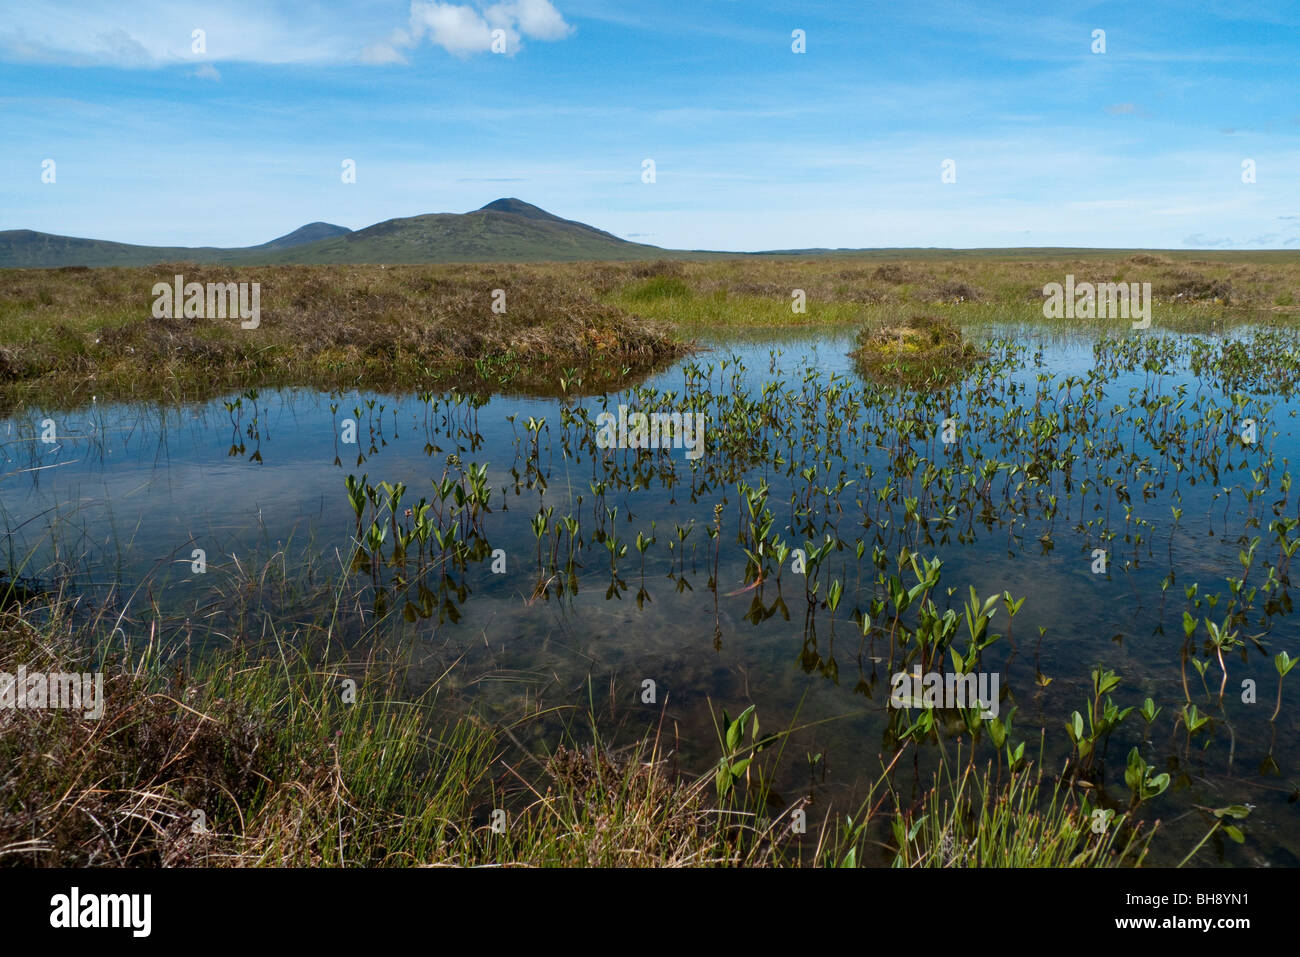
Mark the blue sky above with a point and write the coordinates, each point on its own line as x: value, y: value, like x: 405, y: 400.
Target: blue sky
x: 755, y: 146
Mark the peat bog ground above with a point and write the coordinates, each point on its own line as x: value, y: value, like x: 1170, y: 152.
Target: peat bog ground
x: 398, y: 578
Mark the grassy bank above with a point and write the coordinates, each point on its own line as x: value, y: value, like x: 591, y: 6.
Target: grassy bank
x: 68, y: 334
x: 270, y: 758
x: 253, y: 759
x: 1194, y: 292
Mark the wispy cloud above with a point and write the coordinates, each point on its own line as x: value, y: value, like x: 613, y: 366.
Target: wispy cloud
x: 149, y: 34
x: 146, y: 34
x: 1202, y: 241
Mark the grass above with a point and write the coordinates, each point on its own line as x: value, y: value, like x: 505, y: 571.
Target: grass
x: 1190, y: 292
x: 969, y: 821
x: 285, y: 771
x: 68, y: 334
x: 256, y: 756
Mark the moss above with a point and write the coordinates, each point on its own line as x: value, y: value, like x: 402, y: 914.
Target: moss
x: 922, y: 350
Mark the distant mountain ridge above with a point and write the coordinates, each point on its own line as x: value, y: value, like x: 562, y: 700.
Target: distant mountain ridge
x: 506, y: 229
x: 305, y: 234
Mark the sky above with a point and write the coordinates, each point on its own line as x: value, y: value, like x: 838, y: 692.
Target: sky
x: 240, y: 134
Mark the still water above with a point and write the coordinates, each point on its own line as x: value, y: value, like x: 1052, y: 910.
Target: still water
x: 1096, y: 482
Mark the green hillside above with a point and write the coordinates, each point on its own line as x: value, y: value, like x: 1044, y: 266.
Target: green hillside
x: 507, y: 230
x: 28, y: 249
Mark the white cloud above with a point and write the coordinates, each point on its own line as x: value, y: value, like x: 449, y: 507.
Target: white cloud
x: 380, y: 54
x: 207, y: 72
x: 463, y: 30
x: 539, y: 19
x: 458, y: 30
x: 120, y: 45
x: 149, y: 34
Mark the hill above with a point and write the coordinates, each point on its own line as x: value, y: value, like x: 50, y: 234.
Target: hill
x: 505, y: 230
x: 306, y: 234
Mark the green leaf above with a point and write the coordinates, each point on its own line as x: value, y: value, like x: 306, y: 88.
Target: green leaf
x: 722, y: 780
x: 736, y: 730
x: 1235, y: 833
x: 997, y: 732
x: 733, y: 737
x: 745, y: 716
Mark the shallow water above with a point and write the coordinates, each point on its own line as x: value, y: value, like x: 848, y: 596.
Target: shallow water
x: 125, y: 493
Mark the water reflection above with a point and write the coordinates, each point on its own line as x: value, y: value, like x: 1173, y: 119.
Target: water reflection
x: 1097, y: 481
